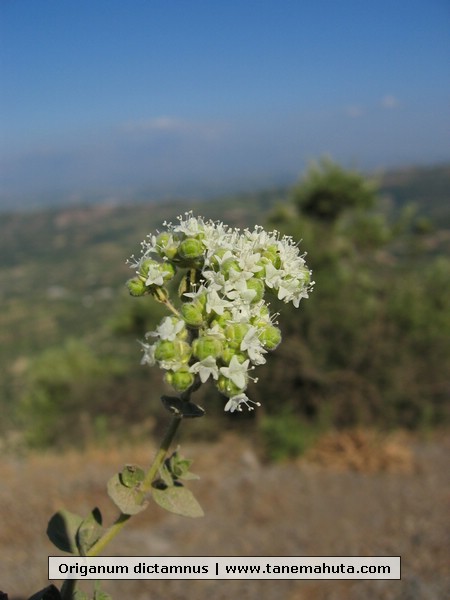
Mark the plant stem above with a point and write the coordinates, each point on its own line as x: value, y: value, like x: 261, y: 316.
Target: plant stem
x: 68, y: 589
x: 122, y: 519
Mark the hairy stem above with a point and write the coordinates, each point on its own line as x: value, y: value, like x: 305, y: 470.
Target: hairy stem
x: 122, y: 519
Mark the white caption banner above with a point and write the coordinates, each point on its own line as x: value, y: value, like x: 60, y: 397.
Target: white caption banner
x: 224, y: 567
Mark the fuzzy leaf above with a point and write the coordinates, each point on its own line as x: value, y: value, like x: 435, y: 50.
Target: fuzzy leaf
x: 166, y: 476
x: 179, y: 467
x: 62, y: 530
x: 177, y: 499
x: 89, y: 531
x: 128, y: 500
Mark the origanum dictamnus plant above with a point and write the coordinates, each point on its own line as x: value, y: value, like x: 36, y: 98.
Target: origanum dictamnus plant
x: 221, y: 327
x: 216, y: 283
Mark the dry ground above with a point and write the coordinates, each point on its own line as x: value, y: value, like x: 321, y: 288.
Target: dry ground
x: 354, y: 494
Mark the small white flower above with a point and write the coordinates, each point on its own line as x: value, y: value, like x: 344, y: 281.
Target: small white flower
x: 215, y: 303
x: 155, y: 276
x: 168, y: 329
x: 235, y: 402
x: 236, y: 372
x: 205, y: 368
x: 274, y: 276
x: 252, y: 345
x: 149, y: 354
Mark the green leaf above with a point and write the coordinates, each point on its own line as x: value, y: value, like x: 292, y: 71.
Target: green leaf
x: 80, y: 595
x: 131, y: 476
x: 98, y: 593
x: 48, y: 593
x: 177, y: 499
x: 89, y: 531
x: 128, y: 500
x: 179, y: 467
x: 166, y: 476
x: 62, y: 530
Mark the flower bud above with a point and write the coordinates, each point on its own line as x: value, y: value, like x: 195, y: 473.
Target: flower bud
x: 235, y: 333
x: 190, y: 249
x: 222, y: 320
x: 270, y: 337
x: 228, y: 264
x: 181, y: 380
x: 136, y: 286
x: 228, y: 353
x: 166, y: 245
x: 192, y: 313
x: 271, y: 253
x: 183, y: 350
x: 167, y: 270
x: 207, y: 346
x: 165, y: 350
x: 145, y: 267
x: 227, y: 387
x: 258, y: 286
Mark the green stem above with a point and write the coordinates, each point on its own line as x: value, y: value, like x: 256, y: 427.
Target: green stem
x: 122, y: 519
x: 68, y: 589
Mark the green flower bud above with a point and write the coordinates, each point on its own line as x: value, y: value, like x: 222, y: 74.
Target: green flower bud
x: 262, y: 319
x: 258, y: 286
x: 136, y: 286
x: 165, y: 350
x: 227, y: 387
x: 145, y: 267
x: 218, y: 254
x: 183, y: 350
x: 271, y: 253
x: 270, y: 337
x: 190, y: 249
x: 181, y: 380
x: 222, y: 320
x: 166, y: 245
x: 207, y: 346
x: 192, y: 313
x: 167, y: 270
x: 228, y: 353
x: 229, y: 264
x: 235, y: 333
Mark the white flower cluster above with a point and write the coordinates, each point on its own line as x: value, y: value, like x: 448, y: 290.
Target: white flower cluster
x: 223, y: 328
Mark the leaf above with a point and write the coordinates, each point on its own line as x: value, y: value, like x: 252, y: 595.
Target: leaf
x: 48, y: 593
x: 99, y: 594
x: 131, y: 476
x: 80, y: 595
x: 102, y: 596
x: 89, y: 531
x: 166, y: 476
x: 182, y: 408
x: 62, y: 530
x: 179, y: 500
x: 179, y: 467
x: 128, y: 500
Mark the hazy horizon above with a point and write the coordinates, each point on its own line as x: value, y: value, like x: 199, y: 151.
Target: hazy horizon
x: 107, y: 100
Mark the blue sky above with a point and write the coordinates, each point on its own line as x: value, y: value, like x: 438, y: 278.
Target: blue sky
x: 118, y: 98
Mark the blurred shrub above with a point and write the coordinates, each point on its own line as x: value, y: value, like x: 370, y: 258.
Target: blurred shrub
x: 72, y: 396
x: 286, y: 435
x: 371, y: 344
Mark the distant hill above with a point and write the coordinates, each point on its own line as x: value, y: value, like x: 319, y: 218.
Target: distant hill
x: 426, y: 187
